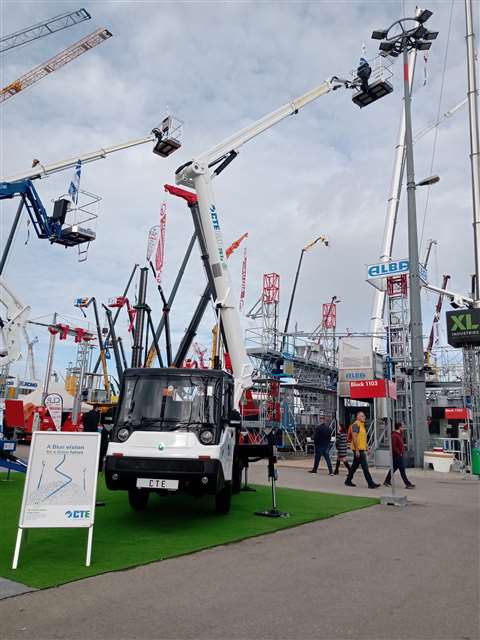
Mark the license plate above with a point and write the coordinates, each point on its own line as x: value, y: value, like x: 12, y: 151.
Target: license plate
x: 154, y: 483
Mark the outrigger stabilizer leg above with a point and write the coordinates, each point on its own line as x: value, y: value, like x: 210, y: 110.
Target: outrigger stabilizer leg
x: 272, y: 474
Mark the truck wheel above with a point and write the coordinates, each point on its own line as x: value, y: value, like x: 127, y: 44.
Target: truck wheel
x: 223, y: 499
x: 138, y: 499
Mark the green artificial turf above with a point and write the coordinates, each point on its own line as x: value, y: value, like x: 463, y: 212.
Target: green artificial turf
x: 172, y: 526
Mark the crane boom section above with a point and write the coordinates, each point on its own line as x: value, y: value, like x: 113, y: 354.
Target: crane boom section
x: 40, y: 171
x: 58, y: 61
x: 196, y: 174
x: 43, y: 29
x: 44, y: 226
x: 234, y: 142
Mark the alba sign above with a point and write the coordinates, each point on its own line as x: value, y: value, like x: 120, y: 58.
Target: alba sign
x: 394, y: 268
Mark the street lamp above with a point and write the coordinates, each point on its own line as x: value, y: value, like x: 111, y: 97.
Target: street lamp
x: 400, y: 38
x: 306, y: 248
x: 427, y: 182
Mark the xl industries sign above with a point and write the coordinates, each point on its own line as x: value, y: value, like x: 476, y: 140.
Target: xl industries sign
x: 463, y: 327
x: 394, y: 268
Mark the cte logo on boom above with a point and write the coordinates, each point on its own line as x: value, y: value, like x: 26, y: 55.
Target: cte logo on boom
x: 213, y: 215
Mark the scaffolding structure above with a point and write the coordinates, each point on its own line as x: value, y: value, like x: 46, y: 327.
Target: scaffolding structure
x: 398, y: 339
x: 294, y: 388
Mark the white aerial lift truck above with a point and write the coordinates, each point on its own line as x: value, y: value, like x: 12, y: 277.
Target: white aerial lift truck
x: 177, y: 429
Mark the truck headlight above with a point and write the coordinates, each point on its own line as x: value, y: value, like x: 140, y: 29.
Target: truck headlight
x: 206, y: 436
x: 123, y: 434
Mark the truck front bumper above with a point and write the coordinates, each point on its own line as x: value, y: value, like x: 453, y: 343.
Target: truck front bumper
x: 193, y: 475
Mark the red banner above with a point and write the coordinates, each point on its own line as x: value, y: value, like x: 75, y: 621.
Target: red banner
x: 367, y: 389
x: 458, y: 413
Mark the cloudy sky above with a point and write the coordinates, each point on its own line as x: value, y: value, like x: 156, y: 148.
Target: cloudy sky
x: 219, y: 66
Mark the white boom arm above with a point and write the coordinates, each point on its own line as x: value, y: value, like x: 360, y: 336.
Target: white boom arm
x: 378, y: 304
x: 233, y: 143
x: 458, y: 299
x: 196, y: 174
x: 40, y: 171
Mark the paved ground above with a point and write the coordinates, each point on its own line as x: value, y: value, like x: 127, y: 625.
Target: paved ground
x: 379, y: 573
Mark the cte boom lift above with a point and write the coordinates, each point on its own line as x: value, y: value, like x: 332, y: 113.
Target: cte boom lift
x: 177, y: 429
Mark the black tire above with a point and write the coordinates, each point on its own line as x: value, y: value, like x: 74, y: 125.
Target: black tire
x: 236, y: 475
x: 138, y: 499
x: 223, y: 499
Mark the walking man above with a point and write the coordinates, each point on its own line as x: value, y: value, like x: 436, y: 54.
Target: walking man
x: 359, y: 447
x: 321, y: 440
x: 398, y: 449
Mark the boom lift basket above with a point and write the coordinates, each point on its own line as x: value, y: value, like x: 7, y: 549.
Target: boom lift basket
x: 379, y: 84
x: 168, y: 135
x: 76, y: 233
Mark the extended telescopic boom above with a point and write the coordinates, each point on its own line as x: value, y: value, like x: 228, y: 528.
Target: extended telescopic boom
x: 196, y: 174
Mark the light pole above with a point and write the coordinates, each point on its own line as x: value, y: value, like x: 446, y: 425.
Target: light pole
x: 474, y: 146
x: 306, y: 248
x: 400, y: 38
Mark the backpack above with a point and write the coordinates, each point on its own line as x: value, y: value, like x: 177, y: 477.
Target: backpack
x: 349, y: 434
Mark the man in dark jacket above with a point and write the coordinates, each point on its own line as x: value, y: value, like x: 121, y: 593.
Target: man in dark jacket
x: 322, y: 443
x: 398, y: 449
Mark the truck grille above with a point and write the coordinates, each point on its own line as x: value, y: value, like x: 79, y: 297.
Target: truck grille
x: 156, y: 465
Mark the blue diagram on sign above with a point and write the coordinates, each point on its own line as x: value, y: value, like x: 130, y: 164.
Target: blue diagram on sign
x: 60, y: 483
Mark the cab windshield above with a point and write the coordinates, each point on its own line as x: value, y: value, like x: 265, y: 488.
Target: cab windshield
x: 169, y: 403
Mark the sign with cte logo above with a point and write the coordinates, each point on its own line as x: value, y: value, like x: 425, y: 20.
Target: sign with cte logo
x: 60, y: 484
x: 463, y: 327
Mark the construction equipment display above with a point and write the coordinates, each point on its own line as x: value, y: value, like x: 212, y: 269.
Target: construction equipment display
x: 179, y: 429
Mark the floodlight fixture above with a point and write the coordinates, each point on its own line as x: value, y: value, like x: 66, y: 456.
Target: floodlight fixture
x: 379, y: 35
x: 423, y: 16
x: 387, y: 46
x: 405, y: 34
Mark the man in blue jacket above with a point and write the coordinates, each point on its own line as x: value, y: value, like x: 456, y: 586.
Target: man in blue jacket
x: 322, y: 442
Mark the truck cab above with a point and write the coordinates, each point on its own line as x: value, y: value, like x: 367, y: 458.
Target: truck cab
x: 174, y: 430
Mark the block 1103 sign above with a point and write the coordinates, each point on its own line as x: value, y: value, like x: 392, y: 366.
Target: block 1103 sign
x: 367, y: 389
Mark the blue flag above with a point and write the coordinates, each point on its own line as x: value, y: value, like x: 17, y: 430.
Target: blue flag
x: 75, y: 183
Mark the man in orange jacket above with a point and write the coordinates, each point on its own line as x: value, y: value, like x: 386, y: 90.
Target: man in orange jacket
x: 359, y: 447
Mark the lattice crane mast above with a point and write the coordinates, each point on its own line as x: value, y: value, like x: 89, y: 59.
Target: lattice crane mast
x: 436, y: 319
x: 59, y: 60
x: 42, y: 29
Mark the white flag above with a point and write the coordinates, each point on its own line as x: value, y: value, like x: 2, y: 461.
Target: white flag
x: 75, y: 183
